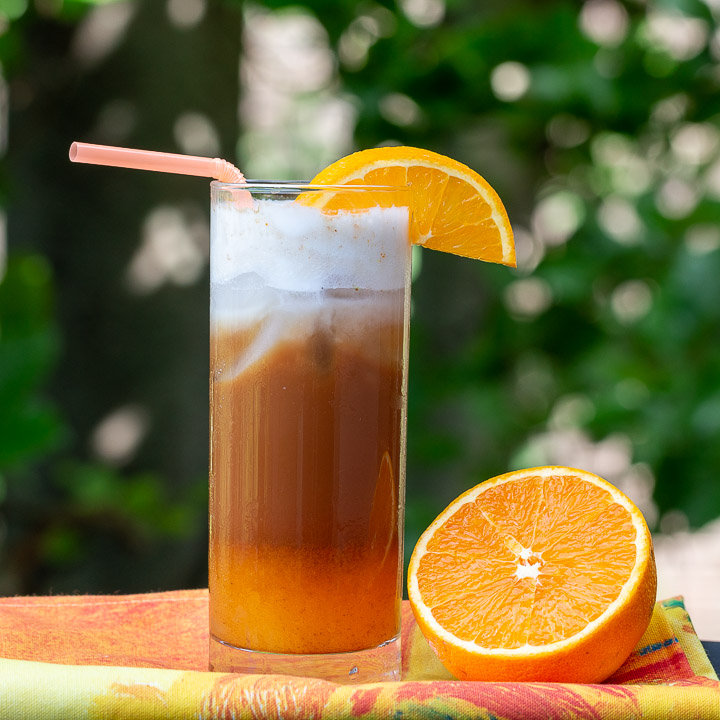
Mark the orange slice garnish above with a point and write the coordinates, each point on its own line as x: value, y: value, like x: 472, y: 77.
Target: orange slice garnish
x: 545, y: 574
x: 453, y: 209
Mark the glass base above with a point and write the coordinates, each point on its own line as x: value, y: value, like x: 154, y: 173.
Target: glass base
x: 379, y: 664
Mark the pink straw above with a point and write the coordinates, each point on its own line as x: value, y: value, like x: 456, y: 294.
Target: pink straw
x: 160, y: 162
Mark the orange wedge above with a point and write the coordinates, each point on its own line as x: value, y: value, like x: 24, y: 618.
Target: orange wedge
x: 453, y: 209
x: 545, y: 574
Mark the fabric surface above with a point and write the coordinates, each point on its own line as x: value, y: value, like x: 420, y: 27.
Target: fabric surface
x: 145, y: 656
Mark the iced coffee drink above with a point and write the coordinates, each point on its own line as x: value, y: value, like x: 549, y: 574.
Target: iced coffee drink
x: 309, y: 325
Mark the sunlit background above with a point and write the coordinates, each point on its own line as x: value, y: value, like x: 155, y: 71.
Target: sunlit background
x: 598, y: 124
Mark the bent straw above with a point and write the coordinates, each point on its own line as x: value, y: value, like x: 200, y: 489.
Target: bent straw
x: 158, y: 161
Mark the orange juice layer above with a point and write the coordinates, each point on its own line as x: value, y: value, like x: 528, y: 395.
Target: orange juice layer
x: 292, y: 600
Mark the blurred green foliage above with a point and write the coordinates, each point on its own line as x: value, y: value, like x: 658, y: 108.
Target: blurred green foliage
x: 70, y: 520
x: 29, y: 425
x: 53, y: 515
x: 599, y: 125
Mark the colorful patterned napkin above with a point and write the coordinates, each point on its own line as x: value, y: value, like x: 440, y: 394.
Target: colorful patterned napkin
x: 145, y: 656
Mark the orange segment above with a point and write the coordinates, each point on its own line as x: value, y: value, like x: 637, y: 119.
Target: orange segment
x: 453, y: 208
x: 544, y: 574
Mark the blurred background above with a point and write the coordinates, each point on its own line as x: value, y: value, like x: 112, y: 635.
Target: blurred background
x: 598, y: 124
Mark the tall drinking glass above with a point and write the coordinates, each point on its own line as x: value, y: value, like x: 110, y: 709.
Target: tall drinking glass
x: 309, y: 316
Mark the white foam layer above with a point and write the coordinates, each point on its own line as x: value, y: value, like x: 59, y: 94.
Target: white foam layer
x: 295, y: 248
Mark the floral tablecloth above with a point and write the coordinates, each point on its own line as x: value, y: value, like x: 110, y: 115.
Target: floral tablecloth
x: 145, y: 656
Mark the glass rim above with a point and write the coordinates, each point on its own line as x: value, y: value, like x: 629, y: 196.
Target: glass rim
x: 284, y: 186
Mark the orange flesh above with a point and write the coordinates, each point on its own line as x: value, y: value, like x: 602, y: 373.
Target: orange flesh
x: 576, y: 538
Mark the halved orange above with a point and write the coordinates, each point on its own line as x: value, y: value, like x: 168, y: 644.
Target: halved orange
x: 453, y: 209
x: 544, y: 574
